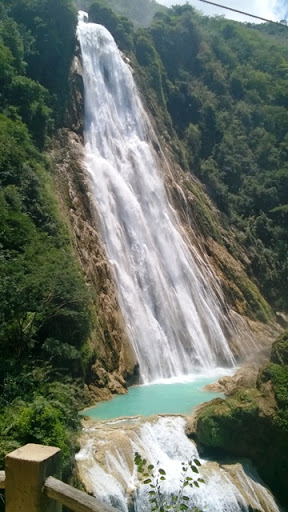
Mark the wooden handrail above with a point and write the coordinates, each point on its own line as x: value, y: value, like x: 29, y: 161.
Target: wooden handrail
x: 2, y: 479
x: 75, y: 500
x: 30, y: 488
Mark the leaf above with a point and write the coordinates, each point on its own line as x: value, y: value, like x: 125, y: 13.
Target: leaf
x: 147, y: 481
x: 162, y: 478
x: 152, y: 493
x: 161, y: 471
x: 185, y: 484
x: 185, y: 498
x: 150, y: 467
x: 194, y: 469
x: 183, y: 507
x: 201, y: 480
x: 197, y: 462
x: 196, y: 484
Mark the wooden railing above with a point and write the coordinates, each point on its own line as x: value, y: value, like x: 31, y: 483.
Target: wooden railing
x: 31, y: 485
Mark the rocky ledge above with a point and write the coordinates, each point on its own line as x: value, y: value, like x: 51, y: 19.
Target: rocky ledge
x: 253, y: 422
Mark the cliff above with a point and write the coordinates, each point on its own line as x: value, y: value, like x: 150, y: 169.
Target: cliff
x: 201, y: 225
x: 253, y: 422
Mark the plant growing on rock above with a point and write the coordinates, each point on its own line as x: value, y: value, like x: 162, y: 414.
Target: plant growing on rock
x: 155, y: 476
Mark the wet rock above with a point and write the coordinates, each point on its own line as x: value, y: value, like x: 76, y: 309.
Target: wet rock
x: 109, y: 341
x: 74, y: 116
x: 245, y: 377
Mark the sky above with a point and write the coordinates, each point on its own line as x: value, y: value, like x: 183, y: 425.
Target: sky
x: 274, y: 10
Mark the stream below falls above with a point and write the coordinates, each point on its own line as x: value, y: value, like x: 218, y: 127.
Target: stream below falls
x: 106, y: 467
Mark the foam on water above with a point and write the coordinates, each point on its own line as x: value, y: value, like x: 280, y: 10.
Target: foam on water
x: 106, y: 466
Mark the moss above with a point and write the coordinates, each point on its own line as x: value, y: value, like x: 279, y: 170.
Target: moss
x: 279, y: 353
x: 203, y: 211
x: 220, y: 424
x: 257, y: 308
x: 252, y: 424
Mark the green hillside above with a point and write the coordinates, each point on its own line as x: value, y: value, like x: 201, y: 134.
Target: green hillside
x: 221, y: 87
x: 44, y: 303
x: 218, y: 93
x: 140, y: 12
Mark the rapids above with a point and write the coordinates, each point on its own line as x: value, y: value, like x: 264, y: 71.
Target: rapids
x: 105, y: 464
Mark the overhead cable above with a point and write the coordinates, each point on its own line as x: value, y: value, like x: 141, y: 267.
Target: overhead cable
x: 242, y: 12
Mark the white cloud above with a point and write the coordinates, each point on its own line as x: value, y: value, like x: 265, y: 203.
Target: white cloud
x: 282, y: 9
x: 270, y: 9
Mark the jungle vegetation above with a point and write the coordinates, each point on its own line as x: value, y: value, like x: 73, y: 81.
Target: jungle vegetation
x: 217, y: 86
x: 44, y: 303
x: 221, y: 86
x: 254, y: 422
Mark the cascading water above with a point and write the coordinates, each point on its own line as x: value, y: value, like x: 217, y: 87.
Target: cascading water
x: 165, y: 290
x: 172, y: 314
x: 105, y: 464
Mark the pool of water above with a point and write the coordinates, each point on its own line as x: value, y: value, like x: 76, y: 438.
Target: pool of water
x: 164, y: 397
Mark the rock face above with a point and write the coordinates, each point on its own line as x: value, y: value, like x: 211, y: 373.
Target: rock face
x: 248, y: 320
x: 114, y: 360
x: 253, y: 422
x: 245, y: 377
x: 74, y: 118
x: 107, y: 469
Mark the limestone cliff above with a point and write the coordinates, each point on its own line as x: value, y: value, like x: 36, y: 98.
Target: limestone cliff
x: 113, y: 362
x: 253, y: 422
x: 114, y: 358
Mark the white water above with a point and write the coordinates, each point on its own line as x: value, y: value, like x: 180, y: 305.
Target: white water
x: 106, y: 467
x: 165, y: 290
x: 172, y: 314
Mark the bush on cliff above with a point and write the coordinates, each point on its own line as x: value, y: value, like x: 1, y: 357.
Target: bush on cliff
x: 254, y: 422
x: 44, y: 302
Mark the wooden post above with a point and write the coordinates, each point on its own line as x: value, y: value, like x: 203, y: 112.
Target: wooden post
x: 26, y: 471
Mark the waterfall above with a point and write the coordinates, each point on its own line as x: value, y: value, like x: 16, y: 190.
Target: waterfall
x: 172, y: 313
x: 105, y: 465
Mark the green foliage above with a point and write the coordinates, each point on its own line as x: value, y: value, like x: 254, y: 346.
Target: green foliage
x: 44, y: 412
x: 279, y: 352
x: 38, y: 38
x: 154, y: 477
x: 221, y: 86
x: 252, y: 424
x: 44, y: 302
x: 31, y: 101
x: 140, y: 12
x: 119, y: 26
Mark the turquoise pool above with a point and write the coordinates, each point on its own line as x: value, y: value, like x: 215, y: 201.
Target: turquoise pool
x: 167, y: 397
